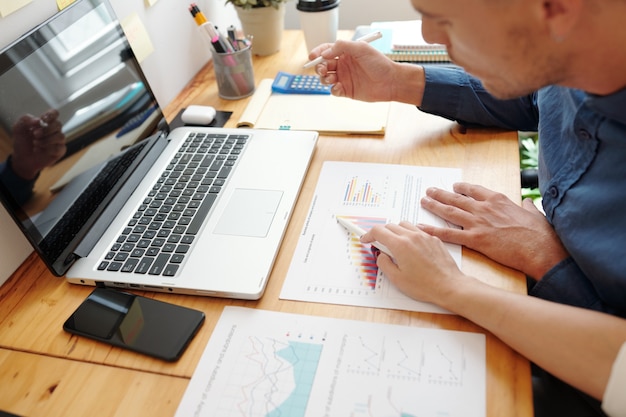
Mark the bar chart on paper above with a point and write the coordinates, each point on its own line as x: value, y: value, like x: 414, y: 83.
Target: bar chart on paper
x: 362, y: 193
x: 330, y: 264
x: 272, y: 364
x: 360, y: 256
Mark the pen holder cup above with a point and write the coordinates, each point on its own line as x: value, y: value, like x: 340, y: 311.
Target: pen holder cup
x: 234, y: 73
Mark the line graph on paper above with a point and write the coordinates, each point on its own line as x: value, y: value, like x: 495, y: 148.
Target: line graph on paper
x: 273, y: 378
x: 404, y: 368
x: 412, y: 361
x: 261, y: 363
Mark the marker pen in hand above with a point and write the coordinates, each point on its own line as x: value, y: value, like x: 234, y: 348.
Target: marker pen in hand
x: 353, y: 228
x: 370, y: 37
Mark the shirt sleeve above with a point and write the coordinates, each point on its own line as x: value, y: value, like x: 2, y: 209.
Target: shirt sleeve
x: 614, y: 400
x: 19, y: 188
x: 452, y: 93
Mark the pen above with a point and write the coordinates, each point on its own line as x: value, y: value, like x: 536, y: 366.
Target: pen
x: 198, y: 16
x: 370, y: 37
x: 232, y: 36
x: 216, y: 40
x: 353, y: 228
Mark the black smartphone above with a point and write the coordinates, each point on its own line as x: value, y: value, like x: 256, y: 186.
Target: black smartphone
x: 141, y: 324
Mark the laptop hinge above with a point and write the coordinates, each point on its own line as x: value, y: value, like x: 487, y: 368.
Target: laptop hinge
x: 121, y: 197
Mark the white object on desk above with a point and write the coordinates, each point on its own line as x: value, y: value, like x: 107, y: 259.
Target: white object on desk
x: 198, y: 115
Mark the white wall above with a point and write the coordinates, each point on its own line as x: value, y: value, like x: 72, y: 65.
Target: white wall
x: 351, y: 12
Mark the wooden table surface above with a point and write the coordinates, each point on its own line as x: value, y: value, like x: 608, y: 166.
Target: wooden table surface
x: 47, y: 372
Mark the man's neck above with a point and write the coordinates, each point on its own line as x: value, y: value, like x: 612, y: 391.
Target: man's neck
x: 599, y: 63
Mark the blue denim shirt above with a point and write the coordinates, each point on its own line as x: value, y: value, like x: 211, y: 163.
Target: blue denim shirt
x: 21, y: 189
x: 582, y: 176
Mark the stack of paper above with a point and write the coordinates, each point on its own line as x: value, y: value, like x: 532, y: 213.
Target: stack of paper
x: 403, y: 41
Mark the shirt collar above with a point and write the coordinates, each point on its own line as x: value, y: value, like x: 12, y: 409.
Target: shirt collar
x: 612, y: 106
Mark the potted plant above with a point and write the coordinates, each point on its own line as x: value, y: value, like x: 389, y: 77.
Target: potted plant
x: 250, y: 4
x: 263, y: 21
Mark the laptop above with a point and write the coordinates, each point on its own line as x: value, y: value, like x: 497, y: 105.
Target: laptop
x: 127, y: 203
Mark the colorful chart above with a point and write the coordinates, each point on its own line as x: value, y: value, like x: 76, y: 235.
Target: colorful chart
x: 362, y: 193
x: 361, y: 254
x: 331, y: 265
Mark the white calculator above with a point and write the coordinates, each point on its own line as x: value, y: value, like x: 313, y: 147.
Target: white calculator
x: 285, y: 83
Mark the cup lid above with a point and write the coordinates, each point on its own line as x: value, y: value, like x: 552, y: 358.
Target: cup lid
x: 316, y: 5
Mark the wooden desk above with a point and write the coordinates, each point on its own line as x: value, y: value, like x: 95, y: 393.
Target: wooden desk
x: 44, y: 371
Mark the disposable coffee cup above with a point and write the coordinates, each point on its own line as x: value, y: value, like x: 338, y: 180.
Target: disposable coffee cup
x: 319, y: 20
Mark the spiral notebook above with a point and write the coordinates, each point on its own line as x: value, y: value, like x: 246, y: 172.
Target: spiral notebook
x: 402, y: 41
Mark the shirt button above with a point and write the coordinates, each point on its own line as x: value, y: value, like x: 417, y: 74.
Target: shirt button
x: 584, y: 134
x: 553, y: 192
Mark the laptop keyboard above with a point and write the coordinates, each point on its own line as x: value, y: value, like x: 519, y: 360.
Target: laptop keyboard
x: 164, y: 227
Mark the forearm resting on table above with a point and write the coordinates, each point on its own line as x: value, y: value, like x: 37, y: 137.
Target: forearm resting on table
x: 576, y: 345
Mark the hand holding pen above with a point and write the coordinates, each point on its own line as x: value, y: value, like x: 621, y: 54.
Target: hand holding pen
x: 370, y: 37
x: 353, y: 228
x: 357, y: 70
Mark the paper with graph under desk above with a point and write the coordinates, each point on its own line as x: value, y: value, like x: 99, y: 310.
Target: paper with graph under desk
x: 330, y: 265
x: 269, y: 364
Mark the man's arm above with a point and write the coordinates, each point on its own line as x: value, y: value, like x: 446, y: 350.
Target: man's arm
x: 577, y: 345
x: 358, y: 71
x: 18, y: 187
x: 452, y: 93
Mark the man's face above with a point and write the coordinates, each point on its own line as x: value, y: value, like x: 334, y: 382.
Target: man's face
x: 498, y: 41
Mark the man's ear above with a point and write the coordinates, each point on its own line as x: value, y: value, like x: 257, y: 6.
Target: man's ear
x: 561, y: 16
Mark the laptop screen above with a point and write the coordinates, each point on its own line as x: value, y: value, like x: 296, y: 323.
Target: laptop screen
x: 72, y: 97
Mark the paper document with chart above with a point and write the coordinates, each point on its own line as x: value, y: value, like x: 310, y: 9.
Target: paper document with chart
x: 270, y: 364
x: 330, y: 265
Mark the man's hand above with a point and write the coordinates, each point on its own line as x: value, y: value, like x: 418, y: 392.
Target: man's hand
x: 38, y: 142
x: 421, y: 267
x: 518, y: 237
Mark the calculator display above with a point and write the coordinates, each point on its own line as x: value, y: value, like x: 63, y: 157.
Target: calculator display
x: 282, y: 81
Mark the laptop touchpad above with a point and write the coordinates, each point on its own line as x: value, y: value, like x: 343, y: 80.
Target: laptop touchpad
x: 249, y: 213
